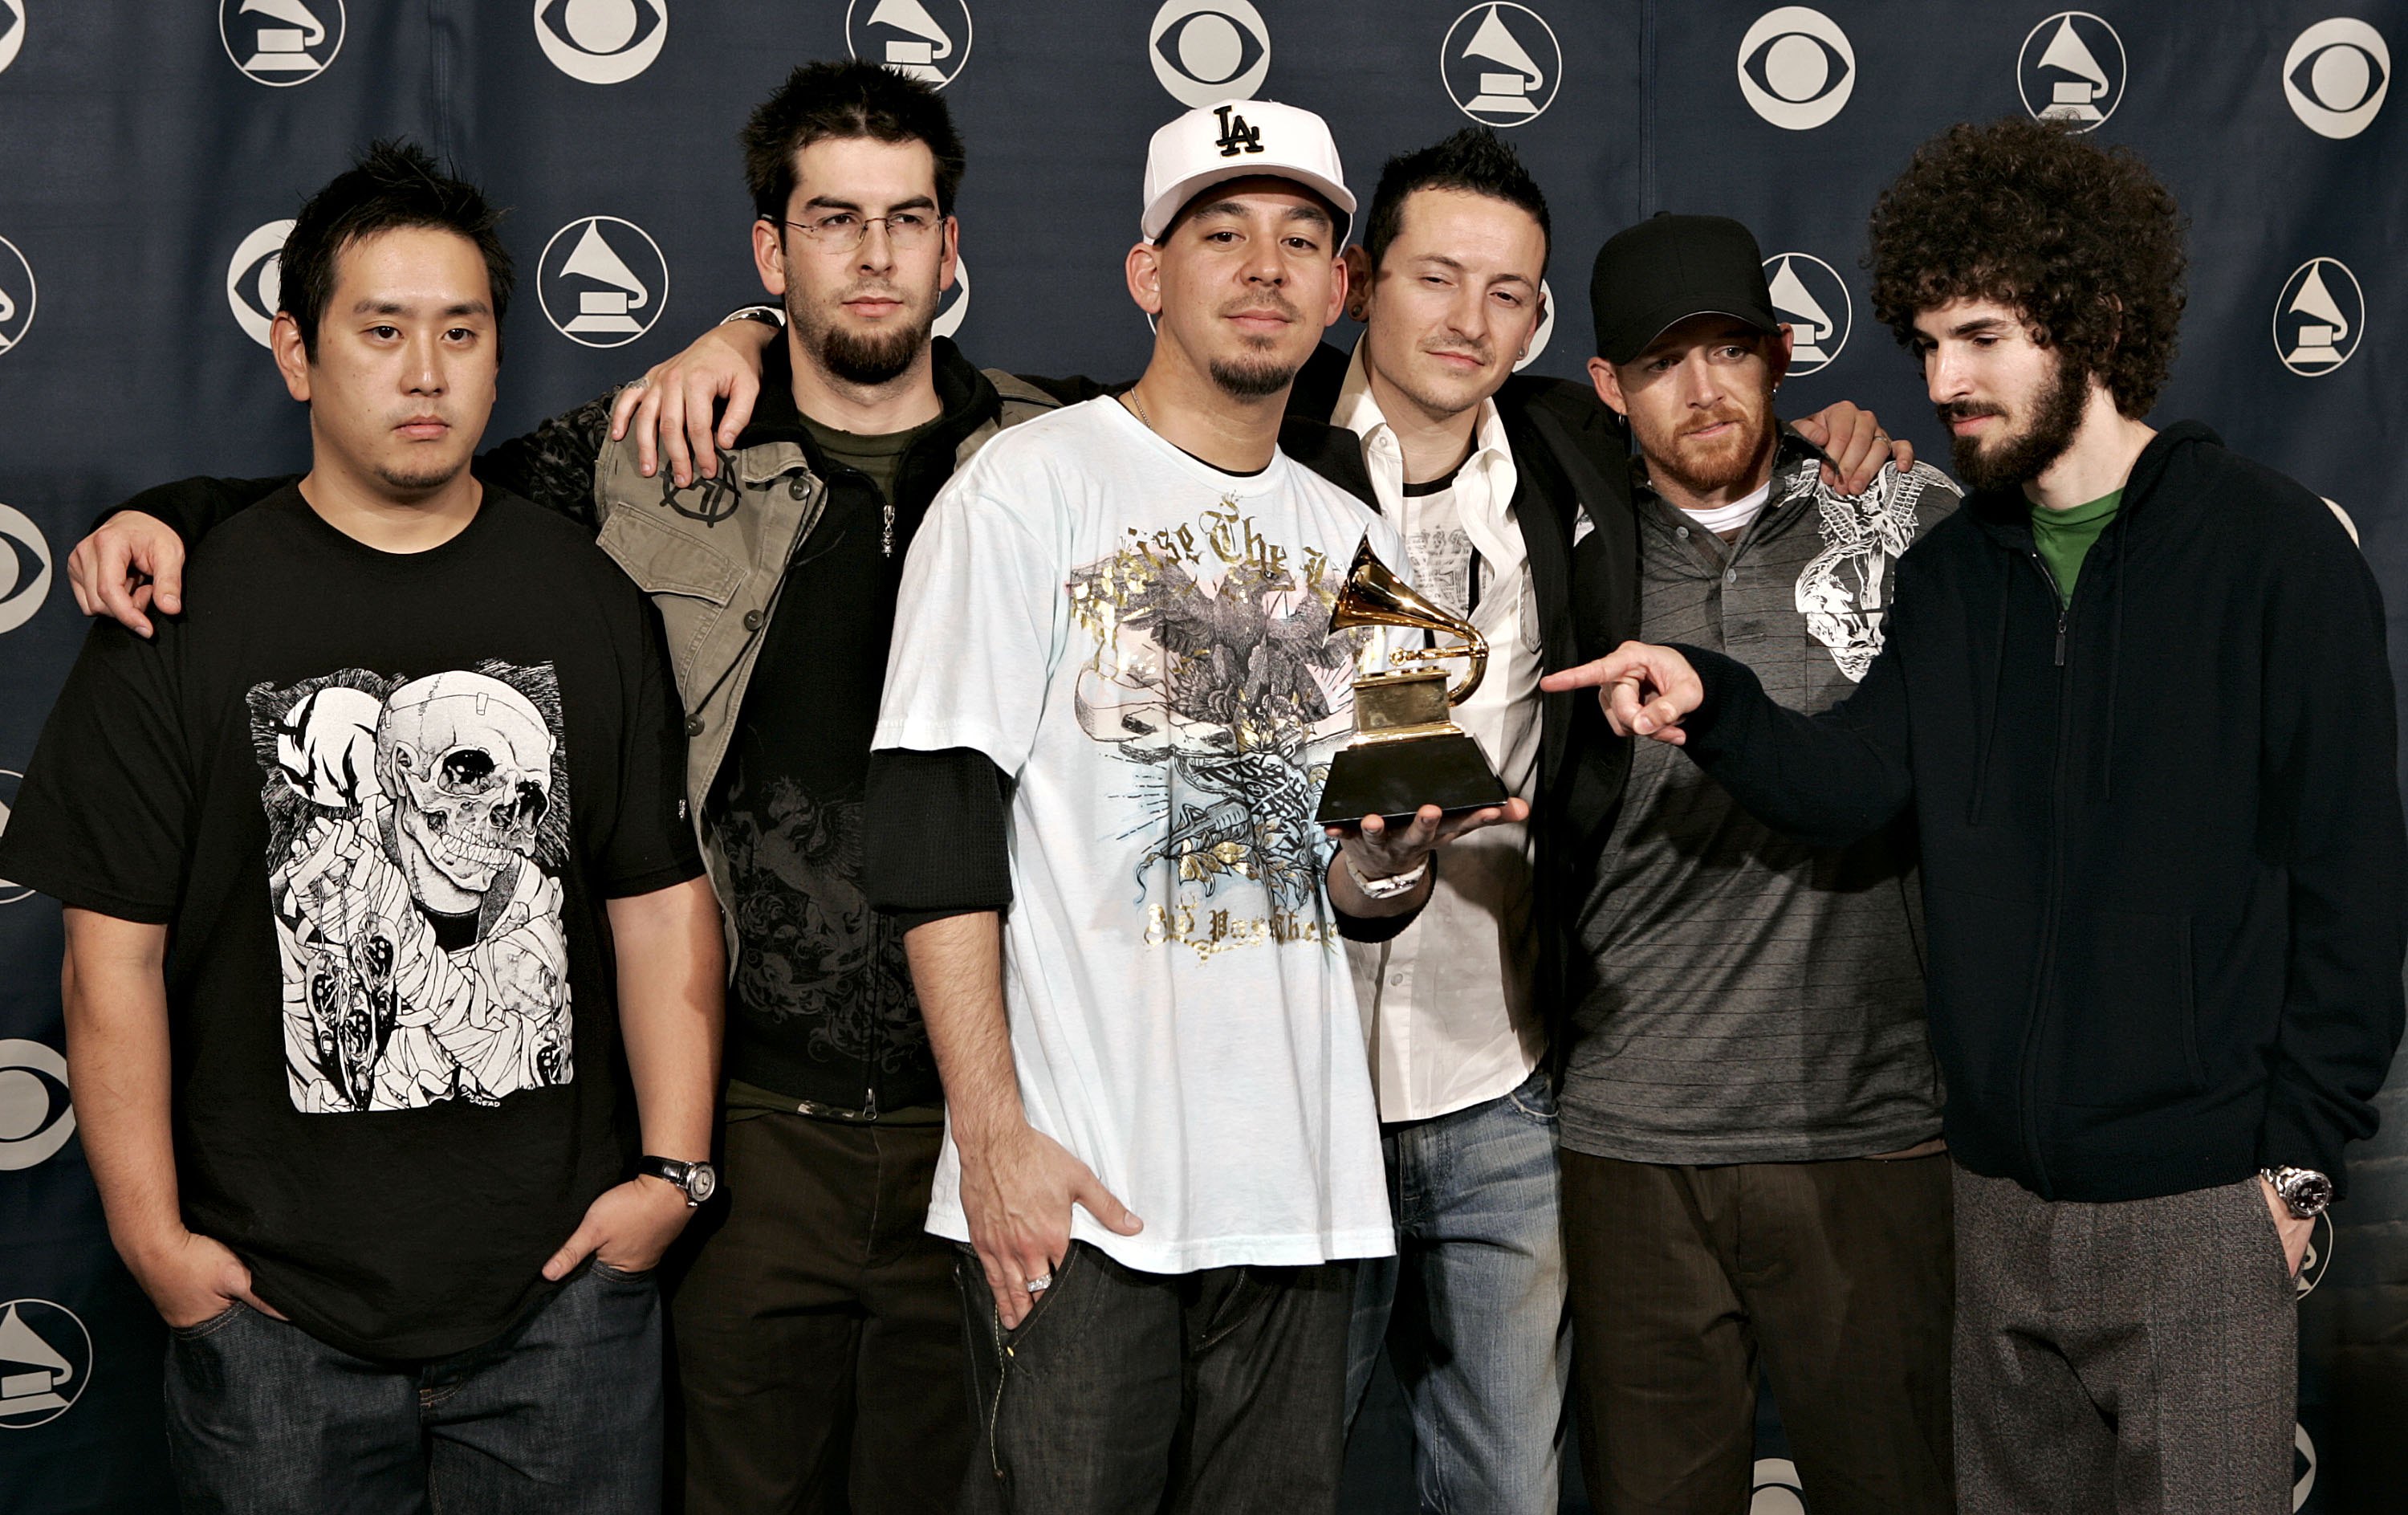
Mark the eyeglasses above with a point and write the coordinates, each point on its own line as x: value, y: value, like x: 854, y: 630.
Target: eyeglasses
x: 842, y: 231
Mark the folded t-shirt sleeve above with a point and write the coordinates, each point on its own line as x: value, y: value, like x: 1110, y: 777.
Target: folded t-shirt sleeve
x: 653, y: 841
x: 937, y: 835
x: 106, y: 806
x: 979, y: 618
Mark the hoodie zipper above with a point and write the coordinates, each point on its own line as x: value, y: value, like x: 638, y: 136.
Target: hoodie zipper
x: 2044, y: 992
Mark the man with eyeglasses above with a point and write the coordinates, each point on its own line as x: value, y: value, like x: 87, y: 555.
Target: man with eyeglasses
x: 818, y: 1330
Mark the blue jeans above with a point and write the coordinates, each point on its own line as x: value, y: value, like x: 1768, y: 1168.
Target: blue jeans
x: 1472, y: 1306
x: 562, y: 1412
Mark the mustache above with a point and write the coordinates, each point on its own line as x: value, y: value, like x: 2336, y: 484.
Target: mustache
x: 1964, y: 410
x: 1720, y: 416
x: 1267, y: 304
x: 1480, y: 353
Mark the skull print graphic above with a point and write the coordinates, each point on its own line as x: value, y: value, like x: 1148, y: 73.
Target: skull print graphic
x: 417, y: 830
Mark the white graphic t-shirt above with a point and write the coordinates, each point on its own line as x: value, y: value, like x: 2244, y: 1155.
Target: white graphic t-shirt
x: 1143, y: 642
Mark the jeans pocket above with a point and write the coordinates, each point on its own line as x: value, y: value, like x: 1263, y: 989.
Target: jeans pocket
x: 620, y: 1276
x: 1534, y: 1098
x: 198, y: 1329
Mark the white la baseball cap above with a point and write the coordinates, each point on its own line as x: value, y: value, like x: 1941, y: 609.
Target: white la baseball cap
x: 1241, y: 140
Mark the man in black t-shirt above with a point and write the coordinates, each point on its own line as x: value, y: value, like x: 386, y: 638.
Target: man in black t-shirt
x: 818, y: 1328
x: 386, y: 930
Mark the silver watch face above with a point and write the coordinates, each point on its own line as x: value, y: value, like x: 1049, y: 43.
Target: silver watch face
x: 701, y: 1181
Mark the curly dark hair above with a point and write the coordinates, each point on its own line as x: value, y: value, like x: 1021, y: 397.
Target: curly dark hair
x: 2083, y: 241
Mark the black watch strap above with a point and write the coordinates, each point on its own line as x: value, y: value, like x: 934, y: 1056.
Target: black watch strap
x: 699, y: 1180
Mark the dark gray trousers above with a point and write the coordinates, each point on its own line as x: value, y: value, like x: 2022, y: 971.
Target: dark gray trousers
x: 1220, y: 1392
x: 2138, y: 1357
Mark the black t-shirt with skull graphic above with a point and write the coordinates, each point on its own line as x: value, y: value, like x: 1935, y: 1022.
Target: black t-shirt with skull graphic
x: 379, y: 800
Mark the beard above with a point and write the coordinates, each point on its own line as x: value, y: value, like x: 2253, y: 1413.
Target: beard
x: 2019, y: 455
x: 1703, y: 467
x: 870, y: 358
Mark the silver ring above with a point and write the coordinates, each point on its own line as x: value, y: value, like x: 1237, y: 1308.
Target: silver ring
x: 1041, y: 1283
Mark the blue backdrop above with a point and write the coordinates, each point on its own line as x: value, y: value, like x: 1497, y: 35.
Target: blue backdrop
x: 151, y: 150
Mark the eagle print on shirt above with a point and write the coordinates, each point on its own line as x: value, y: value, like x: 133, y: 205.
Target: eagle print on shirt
x: 417, y: 831
x: 1843, y: 590
x: 1214, y: 673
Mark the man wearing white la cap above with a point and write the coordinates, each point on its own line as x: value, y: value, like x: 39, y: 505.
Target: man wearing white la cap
x: 1113, y: 690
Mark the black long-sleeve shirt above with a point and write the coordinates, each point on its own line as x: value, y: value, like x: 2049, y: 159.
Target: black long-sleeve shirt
x: 2164, y: 867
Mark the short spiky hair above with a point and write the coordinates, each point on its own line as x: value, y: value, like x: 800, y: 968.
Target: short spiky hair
x: 1475, y: 159
x: 395, y: 183
x: 824, y: 100
x: 2083, y: 241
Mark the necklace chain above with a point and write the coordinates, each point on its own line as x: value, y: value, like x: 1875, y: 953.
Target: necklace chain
x: 1139, y: 406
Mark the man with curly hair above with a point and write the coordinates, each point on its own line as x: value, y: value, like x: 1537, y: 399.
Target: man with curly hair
x: 2135, y: 692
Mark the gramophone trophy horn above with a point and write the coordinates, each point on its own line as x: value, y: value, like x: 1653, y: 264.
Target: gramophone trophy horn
x: 1407, y: 751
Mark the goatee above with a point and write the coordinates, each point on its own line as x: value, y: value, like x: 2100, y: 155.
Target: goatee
x: 874, y: 359
x: 1251, y: 380
x: 2056, y: 415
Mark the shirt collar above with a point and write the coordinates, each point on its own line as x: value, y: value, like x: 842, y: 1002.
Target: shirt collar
x: 1359, y: 413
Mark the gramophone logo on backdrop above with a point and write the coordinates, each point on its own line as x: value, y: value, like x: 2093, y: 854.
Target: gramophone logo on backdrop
x: 10, y: 891
x: 2303, y: 1465
x: 2318, y: 318
x: 601, y: 41
x: 1809, y: 295
x: 45, y: 1362
x: 906, y: 37
x: 24, y: 574
x: 2335, y: 75
x: 254, y: 280
x: 1205, y: 52
x: 2071, y: 70
x: 12, y: 31
x: 1501, y: 64
x: 1796, y: 68
x: 16, y: 293
x: 602, y: 282
x: 954, y: 304
x: 37, y: 1117
x: 1777, y: 1489
x: 280, y: 42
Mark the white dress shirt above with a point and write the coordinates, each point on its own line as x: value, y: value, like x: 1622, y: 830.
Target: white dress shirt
x: 1446, y: 1004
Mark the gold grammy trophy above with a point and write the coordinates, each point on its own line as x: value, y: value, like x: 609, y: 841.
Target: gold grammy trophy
x: 1407, y: 753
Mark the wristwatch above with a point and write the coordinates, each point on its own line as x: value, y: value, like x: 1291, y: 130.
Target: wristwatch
x: 699, y: 1180
x: 1390, y: 887
x: 2304, y: 1190
x: 768, y: 315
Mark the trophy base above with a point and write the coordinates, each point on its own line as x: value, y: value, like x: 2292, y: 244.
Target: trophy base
x: 1394, y: 779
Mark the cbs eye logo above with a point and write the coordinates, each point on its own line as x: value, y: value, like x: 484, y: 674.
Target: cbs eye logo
x: 601, y: 41
x: 24, y: 583
x: 36, y: 1116
x: 255, y: 279
x: 1796, y: 68
x: 16, y: 293
x: 12, y: 31
x: 2335, y: 77
x: 1205, y: 52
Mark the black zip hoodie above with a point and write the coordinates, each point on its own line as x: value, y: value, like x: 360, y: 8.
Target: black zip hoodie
x: 2162, y: 845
